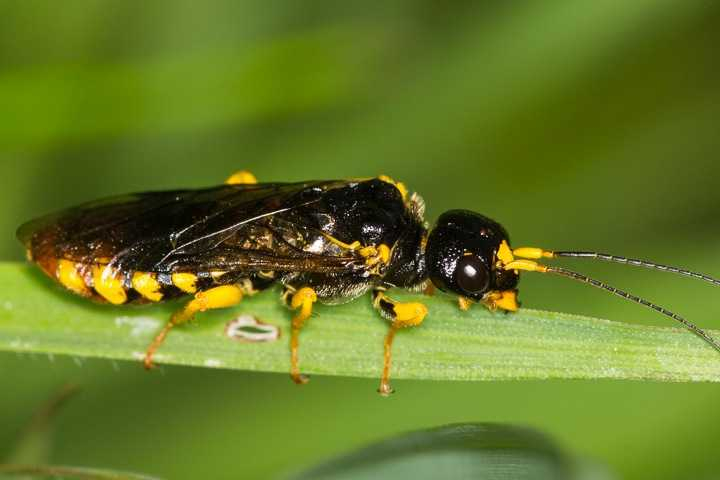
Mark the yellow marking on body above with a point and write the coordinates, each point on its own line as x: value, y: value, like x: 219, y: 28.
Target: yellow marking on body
x: 243, y: 177
x: 464, y: 303
x: 217, y: 274
x: 29, y: 255
x: 527, y: 265
x: 109, y: 284
x: 504, y: 300
x: 533, y: 253
x: 504, y: 254
x: 69, y: 277
x: 146, y: 284
x: 187, y: 282
x: 399, y: 185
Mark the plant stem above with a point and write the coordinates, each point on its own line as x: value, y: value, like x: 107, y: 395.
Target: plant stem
x: 38, y: 317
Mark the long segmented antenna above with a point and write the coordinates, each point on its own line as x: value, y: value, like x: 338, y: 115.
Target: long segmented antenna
x: 633, y: 298
x: 531, y: 266
x: 638, y: 263
x: 527, y: 263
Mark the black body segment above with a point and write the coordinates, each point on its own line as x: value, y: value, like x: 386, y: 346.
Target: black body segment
x: 292, y: 233
x: 461, y: 233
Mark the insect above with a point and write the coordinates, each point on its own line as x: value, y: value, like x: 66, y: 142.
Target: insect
x: 323, y: 241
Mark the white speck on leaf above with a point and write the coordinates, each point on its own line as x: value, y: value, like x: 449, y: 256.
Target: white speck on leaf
x: 140, y: 326
x: 248, y: 328
x: 213, y: 362
x: 138, y: 355
x: 19, y: 344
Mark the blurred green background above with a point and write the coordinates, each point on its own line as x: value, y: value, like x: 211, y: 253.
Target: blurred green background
x: 590, y: 125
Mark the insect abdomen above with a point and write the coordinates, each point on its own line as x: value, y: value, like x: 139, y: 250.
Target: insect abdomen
x: 100, y: 282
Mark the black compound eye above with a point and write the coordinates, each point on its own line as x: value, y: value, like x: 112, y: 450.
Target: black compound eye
x: 472, y: 274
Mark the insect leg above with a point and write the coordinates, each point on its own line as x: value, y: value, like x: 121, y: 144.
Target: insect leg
x: 372, y: 255
x: 401, y: 315
x: 243, y: 177
x: 505, y: 300
x: 218, y: 297
x: 302, y: 299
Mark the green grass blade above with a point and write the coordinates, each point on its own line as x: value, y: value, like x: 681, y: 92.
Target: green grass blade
x: 37, y: 317
x: 37, y: 472
x: 476, y: 450
x: 34, y: 444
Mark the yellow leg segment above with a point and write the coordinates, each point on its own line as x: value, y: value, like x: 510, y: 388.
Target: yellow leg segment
x: 347, y: 246
x: 402, y: 315
x: 464, y: 303
x: 372, y: 255
x: 502, y: 300
x: 218, y: 297
x: 302, y: 299
x: 377, y: 255
x: 243, y: 177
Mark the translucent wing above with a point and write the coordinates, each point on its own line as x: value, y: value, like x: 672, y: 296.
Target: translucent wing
x: 218, y: 228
